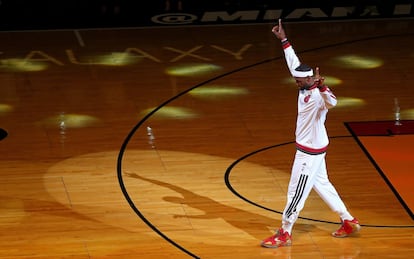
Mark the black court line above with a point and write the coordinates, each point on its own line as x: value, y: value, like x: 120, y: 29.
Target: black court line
x: 139, y: 124
x: 382, y: 174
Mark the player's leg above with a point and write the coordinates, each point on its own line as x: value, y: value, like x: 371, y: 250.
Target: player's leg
x: 328, y: 193
x: 300, y: 185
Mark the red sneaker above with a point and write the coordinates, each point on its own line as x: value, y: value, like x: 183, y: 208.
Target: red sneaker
x: 347, y: 228
x: 281, y: 238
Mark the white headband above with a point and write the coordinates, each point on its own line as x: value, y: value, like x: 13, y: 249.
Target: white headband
x: 296, y: 73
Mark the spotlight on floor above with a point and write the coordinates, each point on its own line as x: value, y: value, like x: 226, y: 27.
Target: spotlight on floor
x: 358, y: 62
x: 192, y: 69
x: 214, y: 92
x: 21, y: 65
x: 171, y: 112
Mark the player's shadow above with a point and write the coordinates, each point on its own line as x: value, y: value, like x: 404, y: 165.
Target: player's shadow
x: 256, y: 225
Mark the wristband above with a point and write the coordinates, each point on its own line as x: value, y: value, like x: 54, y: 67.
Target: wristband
x: 285, y: 43
x: 322, y: 88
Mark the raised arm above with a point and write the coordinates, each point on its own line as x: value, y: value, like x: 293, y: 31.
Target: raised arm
x: 292, y: 59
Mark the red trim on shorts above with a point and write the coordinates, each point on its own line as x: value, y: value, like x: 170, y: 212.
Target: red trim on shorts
x: 311, y: 151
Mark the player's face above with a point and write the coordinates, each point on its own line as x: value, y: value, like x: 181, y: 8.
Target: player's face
x: 304, y: 82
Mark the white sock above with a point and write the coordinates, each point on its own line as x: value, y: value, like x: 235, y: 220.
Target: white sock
x: 346, y: 216
x: 287, y: 228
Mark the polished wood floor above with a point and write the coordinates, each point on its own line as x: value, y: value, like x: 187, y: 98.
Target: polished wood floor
x: 80, y: 178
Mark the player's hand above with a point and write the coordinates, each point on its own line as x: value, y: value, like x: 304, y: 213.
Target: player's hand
x: 318, y: 78
x: 279, y: 31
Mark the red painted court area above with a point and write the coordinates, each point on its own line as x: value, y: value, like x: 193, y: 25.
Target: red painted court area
x: 390, y: 147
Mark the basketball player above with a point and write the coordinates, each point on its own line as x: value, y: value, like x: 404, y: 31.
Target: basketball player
x: 309, y: 167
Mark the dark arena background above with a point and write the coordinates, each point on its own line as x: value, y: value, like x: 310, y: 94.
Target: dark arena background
x: 49, y: 14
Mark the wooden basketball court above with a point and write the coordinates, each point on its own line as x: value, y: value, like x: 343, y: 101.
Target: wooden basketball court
x: 81, y: 176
